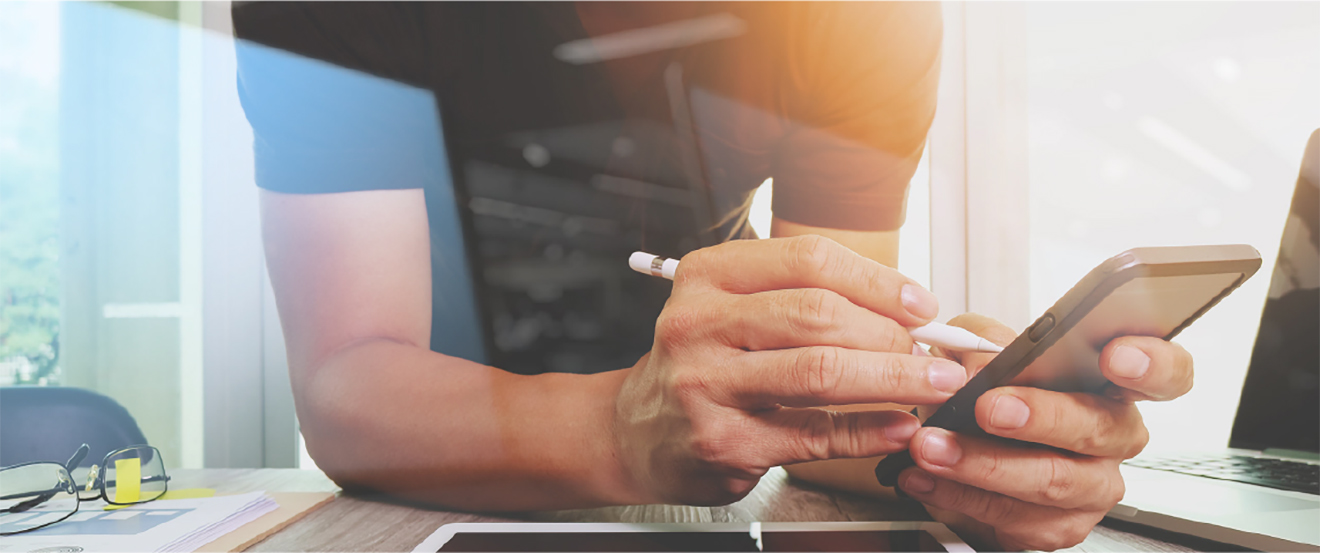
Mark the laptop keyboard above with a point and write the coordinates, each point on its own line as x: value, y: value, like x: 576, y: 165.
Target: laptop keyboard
x: 1272, y: 473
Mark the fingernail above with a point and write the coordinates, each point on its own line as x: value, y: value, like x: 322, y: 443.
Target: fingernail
x: 918, y: 482
x: 945, y: 375
x: 920, y: 302
x: 939, y: 448
x: 1129, y: 362
x: 902, y: 432
x: 1009, y: 412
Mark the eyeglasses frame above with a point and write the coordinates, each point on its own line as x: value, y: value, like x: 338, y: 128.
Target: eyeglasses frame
x: 71, y: 486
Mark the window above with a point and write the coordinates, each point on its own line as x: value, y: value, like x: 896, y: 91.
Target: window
x: 1155, y: 124
x: 29, y: 185
x: 131, y: 255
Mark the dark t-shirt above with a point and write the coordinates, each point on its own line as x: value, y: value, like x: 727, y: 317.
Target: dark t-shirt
x: 576, y: 133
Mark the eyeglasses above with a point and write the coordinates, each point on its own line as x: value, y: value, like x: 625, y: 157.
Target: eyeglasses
x: 39, y: 494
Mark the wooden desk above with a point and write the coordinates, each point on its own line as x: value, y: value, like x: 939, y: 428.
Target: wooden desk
x: 353, y: 524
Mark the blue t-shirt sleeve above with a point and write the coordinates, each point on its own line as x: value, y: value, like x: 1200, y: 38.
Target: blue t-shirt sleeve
x: 320, y: 128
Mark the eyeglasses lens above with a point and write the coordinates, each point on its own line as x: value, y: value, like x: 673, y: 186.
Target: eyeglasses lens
x: 134, y: 475
x: 35, y: 495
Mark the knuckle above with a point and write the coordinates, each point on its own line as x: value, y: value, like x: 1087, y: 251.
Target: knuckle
x: 687, y: 386
x: 814, y: 436
x: 1074, y: 536
x: 1124, y: 419
x: 1117, y: 488
x: 692, y: 266
x: 959, y: 498
x: 966, y: 499
x: 1113, y: 489
x: 984, y: 503
x: 894, y: 338
x: 706, y: 449
x: 678, y: 323
x: 816, y: 310
x: 1189, y: 373
x: 814, y: 254
x: 1090, y: 441
x: 1095, y: 433
x: 1061, y: 484
x: 711, y: 444
x: 846, y: 435
x: 855, y: 442
x: 991, y: 469
x: 821, y: 370
x: 1061, y: 430
x: 1141, y: 437
x: 1056, y: 537
x: 893, y: 373
x: 1073, y: 533
x: 1177, y: 363
x: 880, y: 281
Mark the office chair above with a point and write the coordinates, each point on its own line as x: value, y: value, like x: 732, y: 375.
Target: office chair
x: 49, y: 423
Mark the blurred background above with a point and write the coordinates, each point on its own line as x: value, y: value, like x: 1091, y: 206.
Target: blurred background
x: 130, y: 259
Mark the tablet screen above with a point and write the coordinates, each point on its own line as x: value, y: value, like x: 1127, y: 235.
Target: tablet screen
x: 848, y: 540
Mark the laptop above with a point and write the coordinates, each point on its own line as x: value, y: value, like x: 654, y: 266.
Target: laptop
x: 1263, y: 491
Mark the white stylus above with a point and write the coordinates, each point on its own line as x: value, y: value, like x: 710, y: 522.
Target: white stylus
x: 934, y: 334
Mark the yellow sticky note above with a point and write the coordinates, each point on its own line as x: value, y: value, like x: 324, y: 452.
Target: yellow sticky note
x: 186, y: 493
x: 128, y: 480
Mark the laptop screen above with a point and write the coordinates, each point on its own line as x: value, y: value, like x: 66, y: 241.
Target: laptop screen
x: 1281, y: 397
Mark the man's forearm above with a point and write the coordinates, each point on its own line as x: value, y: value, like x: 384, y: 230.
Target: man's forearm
x: 415, y: 424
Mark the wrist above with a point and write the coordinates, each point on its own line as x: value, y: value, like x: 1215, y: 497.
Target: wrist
x: 616, y: 481
x: 584, y: 447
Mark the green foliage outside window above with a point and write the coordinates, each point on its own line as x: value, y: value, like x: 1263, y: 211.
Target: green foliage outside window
x: 29, y: 195
x: 29, y: 304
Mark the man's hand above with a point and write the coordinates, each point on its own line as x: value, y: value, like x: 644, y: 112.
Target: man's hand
x: 756, y: 337
x: 1018, y: 495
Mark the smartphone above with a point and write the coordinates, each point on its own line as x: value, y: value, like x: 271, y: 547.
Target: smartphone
x: 1140, y: 292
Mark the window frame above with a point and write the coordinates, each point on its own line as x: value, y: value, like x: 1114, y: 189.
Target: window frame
x: 978, y: 147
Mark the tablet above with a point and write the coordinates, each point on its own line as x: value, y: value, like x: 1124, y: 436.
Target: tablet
x: 753, y: 536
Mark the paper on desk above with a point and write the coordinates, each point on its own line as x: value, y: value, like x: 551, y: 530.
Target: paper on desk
x: 186, y: 493
x: 181, y: 525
